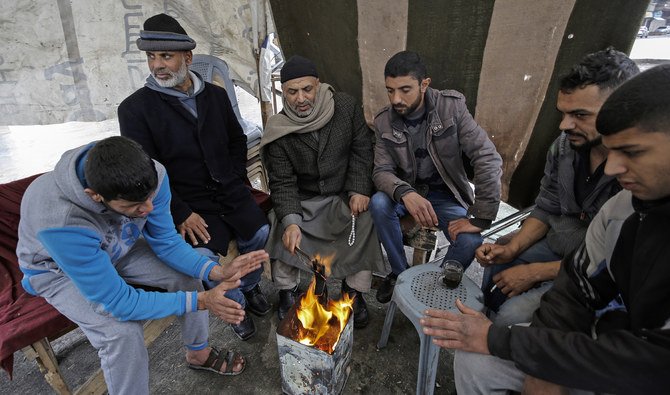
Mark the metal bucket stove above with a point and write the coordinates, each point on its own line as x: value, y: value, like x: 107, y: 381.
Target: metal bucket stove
x: 309, y: 370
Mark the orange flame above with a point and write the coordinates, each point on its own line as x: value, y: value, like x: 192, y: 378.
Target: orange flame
x: 326, y: 261
x: 321, y: 327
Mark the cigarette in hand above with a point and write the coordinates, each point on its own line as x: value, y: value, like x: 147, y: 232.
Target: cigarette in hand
x: 493, y: 288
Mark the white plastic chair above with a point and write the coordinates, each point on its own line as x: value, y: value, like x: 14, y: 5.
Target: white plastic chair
x: 417, y: 289
x: 216, y: 71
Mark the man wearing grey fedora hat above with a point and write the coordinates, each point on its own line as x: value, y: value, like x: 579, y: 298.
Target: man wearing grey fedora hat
x: 189, y: 126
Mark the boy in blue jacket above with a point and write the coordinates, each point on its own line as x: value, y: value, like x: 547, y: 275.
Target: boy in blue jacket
x: 101, y: 221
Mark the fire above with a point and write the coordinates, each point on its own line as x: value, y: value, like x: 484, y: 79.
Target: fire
x: 326, y: 261
x: 321, y: 326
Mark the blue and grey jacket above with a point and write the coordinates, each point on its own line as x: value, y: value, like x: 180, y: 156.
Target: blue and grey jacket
x: 63, y: 229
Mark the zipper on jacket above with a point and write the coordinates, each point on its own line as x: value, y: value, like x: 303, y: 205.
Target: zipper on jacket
x: 411, y: 154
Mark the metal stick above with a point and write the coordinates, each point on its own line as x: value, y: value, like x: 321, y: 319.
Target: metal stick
x: 304, y: 255
x: 311, y: 262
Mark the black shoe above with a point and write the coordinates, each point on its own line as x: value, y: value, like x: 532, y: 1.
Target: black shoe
x: 286, y: 301
x: 361, y: 318
x: 385, y: 290
x: 256, y: 301
x: 360, y: 312
x: 245, y: 329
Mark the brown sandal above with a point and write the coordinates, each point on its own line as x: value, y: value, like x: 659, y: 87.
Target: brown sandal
x: 215, y: 361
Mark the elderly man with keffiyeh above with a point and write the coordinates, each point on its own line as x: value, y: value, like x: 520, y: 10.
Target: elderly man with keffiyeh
x: 318, y: 154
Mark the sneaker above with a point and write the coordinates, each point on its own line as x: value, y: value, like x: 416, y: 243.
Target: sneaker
x: 385, y: 290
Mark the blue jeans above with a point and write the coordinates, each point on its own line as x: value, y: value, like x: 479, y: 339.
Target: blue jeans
x: 386, y: 214
x: 538, y: 252
x: 248, y: 282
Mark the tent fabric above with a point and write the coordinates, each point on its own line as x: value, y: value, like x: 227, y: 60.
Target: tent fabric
x: 505, y: 56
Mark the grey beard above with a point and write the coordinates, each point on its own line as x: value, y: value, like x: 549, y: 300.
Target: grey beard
x: 177, y: 78
x: 303, y: 114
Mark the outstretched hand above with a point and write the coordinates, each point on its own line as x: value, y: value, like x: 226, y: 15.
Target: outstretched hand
x: 244, y: 264
x: 215, y: 301
x: 467, y: 330
x: 239, y: 267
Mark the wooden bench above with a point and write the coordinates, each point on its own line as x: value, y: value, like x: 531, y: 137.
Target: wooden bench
x: 42, y: 353
x: 29, y: 323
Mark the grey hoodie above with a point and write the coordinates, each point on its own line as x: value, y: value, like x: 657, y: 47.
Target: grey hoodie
x: 63, y: 229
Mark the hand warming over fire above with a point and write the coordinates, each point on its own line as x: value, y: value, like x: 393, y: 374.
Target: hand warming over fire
x: 239, y: 267
x: 215, y: 301
x: 467, y: 331
x: 291, y: 238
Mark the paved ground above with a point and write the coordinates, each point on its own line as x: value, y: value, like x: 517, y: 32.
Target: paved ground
x: 390, y: 371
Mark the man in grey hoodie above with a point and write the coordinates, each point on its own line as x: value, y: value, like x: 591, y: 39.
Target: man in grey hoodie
x: 573, y: 189
x: 573, y: 345
x: 100, y: 221
x: 189, y: 125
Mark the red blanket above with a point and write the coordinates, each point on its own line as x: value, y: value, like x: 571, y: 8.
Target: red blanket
x: 24, y: 319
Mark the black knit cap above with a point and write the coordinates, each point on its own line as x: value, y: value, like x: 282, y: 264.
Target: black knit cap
x: 296, y: 67
x: 163, y: 33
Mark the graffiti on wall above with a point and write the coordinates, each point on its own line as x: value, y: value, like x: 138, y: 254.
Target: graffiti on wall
x: 135, y: 60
